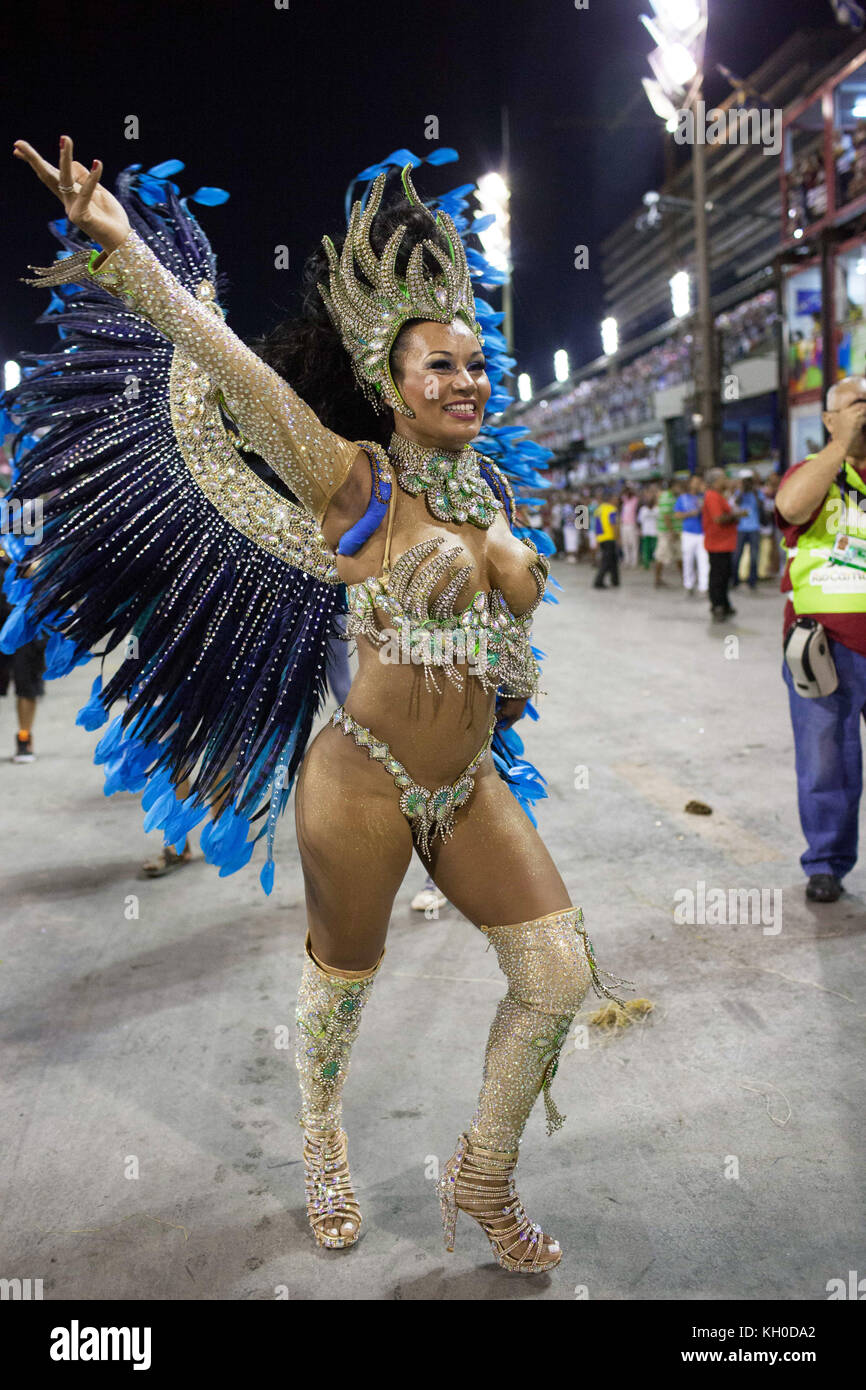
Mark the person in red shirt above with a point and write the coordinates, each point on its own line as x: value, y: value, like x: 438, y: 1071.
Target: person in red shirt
x: 827, y: 728
x: 720, y: 541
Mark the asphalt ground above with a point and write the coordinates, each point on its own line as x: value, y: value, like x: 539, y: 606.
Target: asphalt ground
x: 713, y: 1150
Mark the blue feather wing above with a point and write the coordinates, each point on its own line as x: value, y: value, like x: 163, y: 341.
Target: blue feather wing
x: 221, y: 604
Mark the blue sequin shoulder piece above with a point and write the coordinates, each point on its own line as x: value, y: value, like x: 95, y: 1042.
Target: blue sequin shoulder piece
x: 352, y: 540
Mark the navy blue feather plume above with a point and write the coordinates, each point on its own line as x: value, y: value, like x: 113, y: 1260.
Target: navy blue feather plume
x: 224, y: 646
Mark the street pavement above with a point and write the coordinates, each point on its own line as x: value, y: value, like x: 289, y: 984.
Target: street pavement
x: 713, y: 1150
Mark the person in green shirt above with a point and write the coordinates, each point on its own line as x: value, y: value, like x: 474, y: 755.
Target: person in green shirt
x: 666, y: 546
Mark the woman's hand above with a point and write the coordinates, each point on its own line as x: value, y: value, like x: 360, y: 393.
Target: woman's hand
x: 86, y: 204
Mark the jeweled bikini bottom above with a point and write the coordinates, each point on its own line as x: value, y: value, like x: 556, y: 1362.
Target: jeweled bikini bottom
x: 428, y: 812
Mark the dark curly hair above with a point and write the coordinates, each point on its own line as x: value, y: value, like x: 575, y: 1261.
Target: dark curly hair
x: 307, y: 350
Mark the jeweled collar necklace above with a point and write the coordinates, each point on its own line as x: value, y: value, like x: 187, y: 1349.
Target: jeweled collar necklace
x: 449, y: 478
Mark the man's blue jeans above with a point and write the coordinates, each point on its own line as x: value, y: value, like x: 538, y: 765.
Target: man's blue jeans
x: 752, y: 539
x: 829, y: 765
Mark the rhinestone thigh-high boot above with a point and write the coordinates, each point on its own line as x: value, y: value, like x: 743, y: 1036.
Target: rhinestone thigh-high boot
x: 549, y: 965
x: 328, y: 1015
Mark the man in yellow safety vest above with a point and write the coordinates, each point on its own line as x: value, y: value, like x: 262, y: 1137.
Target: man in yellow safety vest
x: 821, y: 510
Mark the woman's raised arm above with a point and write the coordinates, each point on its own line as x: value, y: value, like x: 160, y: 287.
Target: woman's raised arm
x: 313, y: 461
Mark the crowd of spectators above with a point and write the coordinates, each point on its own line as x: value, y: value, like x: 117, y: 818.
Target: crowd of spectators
x: 659, y: 526
x: 604, y: 403
x: 807, y: 180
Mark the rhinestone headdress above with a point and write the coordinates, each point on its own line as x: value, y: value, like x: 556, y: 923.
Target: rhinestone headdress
x: 369, y: 317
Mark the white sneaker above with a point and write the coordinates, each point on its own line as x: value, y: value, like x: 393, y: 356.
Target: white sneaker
x: 428, y: 899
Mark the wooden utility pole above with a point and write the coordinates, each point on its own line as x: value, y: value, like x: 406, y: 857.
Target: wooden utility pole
x: 706, y: 369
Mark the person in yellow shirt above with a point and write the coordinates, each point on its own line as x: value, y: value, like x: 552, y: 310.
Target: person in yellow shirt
x: 607, y: 535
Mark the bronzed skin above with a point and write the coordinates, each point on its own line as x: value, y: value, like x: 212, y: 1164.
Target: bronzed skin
x: 354, y: 841
x: 495, y: 868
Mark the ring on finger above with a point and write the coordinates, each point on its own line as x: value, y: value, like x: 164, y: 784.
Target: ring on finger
x: 69, y: 188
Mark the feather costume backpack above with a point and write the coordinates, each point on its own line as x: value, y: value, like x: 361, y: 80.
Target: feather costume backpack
x: 161, y: 537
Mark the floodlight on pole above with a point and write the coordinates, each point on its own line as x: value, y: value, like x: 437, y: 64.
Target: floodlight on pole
x: 609, y: 336
x: 679, y: 31
x: 493, y: 196
x: 560, y: 364
x: 659, y: 100
x: 653, y: 30
x: 681, y: 299
x: 524, y: 386
x: 493, y: 192
x: 11, y: 375
x: 677, y: 14
x: 674, y: 67
x: 678, y: 23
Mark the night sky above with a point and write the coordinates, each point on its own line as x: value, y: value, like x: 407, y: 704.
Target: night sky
x: 284, y: 107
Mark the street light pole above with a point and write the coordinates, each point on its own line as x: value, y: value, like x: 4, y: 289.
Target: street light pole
x: 679, y: 30
x: 705, y: 345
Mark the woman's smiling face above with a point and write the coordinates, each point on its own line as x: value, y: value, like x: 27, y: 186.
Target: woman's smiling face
x: 439, y: 370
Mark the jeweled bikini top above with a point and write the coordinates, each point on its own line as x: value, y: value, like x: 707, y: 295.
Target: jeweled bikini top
x: 486, y: 638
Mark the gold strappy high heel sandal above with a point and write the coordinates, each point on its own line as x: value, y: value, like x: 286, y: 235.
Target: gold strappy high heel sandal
x: 331, y: 1199
x: 330, y: 1003
x: 480, y: 1182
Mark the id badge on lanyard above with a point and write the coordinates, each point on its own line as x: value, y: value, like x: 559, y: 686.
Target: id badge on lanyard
x: 847, y: 549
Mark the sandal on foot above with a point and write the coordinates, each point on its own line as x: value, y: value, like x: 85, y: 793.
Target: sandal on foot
x: 331, y: 1201
x: 481, y: 1183
x: 166, y: 862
